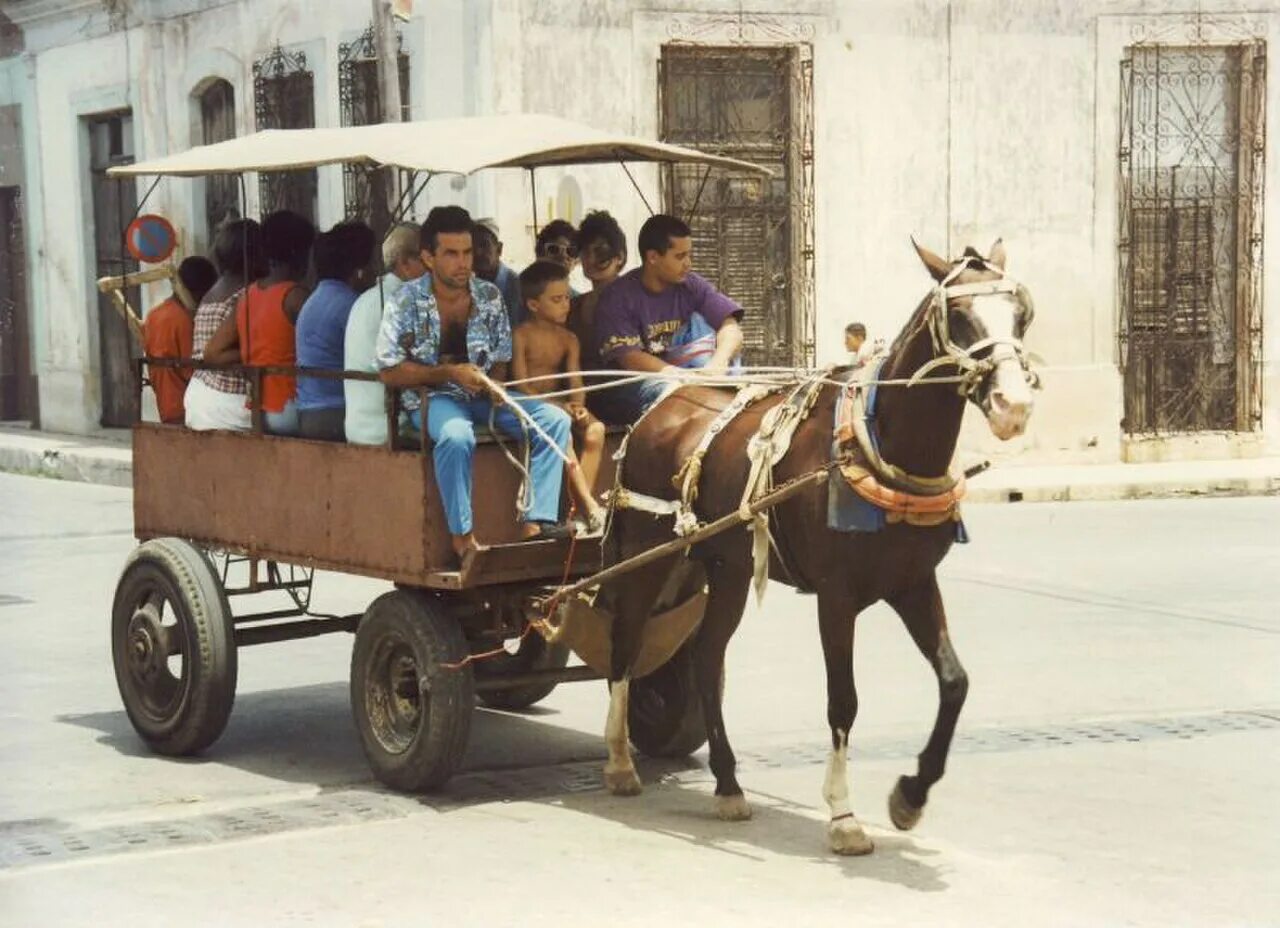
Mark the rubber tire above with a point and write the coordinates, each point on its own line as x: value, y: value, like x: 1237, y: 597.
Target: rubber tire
x: 534, y: 653
x: 199, y: 604
x: 664, y: 713
x: 422, y: 627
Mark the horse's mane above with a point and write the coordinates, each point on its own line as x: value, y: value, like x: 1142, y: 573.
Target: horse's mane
x: 914, y: 325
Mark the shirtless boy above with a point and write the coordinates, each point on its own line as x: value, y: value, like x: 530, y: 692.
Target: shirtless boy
x: 542, y: 347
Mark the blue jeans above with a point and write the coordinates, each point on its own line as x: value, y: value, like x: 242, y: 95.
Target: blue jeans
x: 451, y: 427
x: 691, y: 347
x: 284, y: 422
x: 625, y: 403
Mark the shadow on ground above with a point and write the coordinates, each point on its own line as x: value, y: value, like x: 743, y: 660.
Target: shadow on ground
x: 306, y: 735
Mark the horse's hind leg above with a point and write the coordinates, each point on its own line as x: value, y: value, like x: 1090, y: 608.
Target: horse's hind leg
x: 835, y: 623
x: 728, y: 586
x: 922, y: 612
x: 632, y: 600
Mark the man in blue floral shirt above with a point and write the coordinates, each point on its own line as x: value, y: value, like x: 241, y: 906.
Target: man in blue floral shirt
x: 443, y: 331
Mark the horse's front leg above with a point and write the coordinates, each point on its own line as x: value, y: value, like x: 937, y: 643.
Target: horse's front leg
x: 922, y: 611
x: 835, y: 623
x: 728, y: 581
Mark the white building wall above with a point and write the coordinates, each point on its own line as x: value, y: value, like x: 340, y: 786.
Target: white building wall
x: 955, y: 122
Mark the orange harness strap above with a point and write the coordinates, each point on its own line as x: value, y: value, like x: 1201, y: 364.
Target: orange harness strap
x: 865, y: 484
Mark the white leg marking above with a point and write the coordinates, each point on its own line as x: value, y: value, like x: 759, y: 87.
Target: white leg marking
x: 619, y: 771
x: 844, y: 832
x: 835, y: 788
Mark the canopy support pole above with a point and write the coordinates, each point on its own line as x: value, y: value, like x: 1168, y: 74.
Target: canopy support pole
x: 146, y: 196
x: 533, y: 194
x: 404, y: 206
x: 698, y: 199
x: 637, y: 186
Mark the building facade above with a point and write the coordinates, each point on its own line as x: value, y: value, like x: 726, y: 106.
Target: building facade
x: 1118, y: 147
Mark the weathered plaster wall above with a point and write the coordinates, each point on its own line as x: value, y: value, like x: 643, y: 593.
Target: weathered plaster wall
x: 955, y: 122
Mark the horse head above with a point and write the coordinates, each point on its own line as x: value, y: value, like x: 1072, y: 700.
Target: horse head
x: 977, y: 317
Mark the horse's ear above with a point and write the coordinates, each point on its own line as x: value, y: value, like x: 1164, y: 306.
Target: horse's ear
x: 938, y: 268
x: 997, y: 255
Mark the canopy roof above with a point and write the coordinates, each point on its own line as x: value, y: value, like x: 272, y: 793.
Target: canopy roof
x: 439, y: 146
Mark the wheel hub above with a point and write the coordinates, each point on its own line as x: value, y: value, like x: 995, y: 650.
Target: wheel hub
x: 145, y: 650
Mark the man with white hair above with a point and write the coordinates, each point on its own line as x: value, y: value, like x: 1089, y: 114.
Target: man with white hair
x: 366, y: 417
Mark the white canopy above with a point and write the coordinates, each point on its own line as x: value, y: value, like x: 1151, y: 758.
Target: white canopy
x: 439, y: 146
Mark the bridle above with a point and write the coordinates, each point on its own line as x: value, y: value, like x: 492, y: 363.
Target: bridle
x: 974, y: 371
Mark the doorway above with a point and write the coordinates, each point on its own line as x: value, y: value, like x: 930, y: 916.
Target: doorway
x: 114, y: 203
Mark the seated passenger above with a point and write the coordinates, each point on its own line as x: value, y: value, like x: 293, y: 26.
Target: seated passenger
x: 447, y: 331
x: 342, y: 257
x: 603, y: 250
x: 366, y: 414
x: 489, y: 266
x: 557, y: 242
x: 266, y: 313
x: 215, y: 399
x: 167, y: 332
x: 661, y: 317
x: 543, y: 346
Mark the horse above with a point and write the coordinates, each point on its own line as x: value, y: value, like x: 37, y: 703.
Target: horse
x: 972, y: 321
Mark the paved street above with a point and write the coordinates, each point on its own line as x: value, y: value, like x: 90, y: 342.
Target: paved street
x: 1115, y: 764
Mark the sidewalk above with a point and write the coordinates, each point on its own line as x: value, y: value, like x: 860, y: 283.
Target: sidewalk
x: 105, y: 458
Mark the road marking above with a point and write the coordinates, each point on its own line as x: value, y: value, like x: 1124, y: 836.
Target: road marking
x: 25, y: 844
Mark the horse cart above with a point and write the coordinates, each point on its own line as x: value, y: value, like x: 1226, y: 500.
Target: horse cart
x: 226, y: 519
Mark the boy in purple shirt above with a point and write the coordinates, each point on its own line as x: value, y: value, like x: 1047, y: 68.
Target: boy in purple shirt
x: 660, y: 317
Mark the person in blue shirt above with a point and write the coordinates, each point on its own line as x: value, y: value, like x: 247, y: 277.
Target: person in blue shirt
x: 447, y: 332
x: 342, y: 258
x: 488, y: 266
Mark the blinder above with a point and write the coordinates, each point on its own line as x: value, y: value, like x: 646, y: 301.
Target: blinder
x: 974, y: 371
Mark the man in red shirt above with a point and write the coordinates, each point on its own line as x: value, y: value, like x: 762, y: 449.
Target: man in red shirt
x: 167, y: 332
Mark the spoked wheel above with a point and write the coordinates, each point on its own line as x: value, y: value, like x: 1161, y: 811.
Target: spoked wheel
x: 413, y: 715
x: 663, y: 709
x: 532, y: 653
x: 173, y: 647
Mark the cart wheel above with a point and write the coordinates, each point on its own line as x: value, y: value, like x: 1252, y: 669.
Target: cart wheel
x: 533, y: 653
x: 173, y: 647
x: 664, y: 712
x: 412, y: 714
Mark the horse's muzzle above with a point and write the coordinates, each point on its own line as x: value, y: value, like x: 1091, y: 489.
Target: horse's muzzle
x: 1009, y: 401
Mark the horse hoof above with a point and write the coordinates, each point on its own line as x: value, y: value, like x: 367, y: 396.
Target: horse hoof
x: 848, y: 839
x: 623, y: 782
x: 733, y: 808
x: 902, y: 813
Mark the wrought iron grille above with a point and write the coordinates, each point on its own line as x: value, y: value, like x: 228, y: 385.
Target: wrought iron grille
x: 752, y: 235
x: 218, y: 123
x: 284, y: 98
x: 1190, y: 238
x: 364, y: 190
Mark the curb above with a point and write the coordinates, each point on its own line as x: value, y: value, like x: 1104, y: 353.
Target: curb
x: 1110, y: 492
x: 111, y: 467
x: 111, y: 464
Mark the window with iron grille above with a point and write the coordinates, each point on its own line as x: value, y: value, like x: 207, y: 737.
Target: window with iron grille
x: 365, y: 190
x: 284, y: 98
x: 752, y: 235
x: 1190, y: 238
x: 218, y: 123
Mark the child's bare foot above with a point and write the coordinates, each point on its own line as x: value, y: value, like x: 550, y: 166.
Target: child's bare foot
x: 534, y: 531
x: 465, y: 544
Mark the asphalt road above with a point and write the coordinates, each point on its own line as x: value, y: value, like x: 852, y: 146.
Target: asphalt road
x: 1115, y: 764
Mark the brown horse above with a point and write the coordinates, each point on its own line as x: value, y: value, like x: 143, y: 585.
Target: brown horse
x: 975, y: 319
